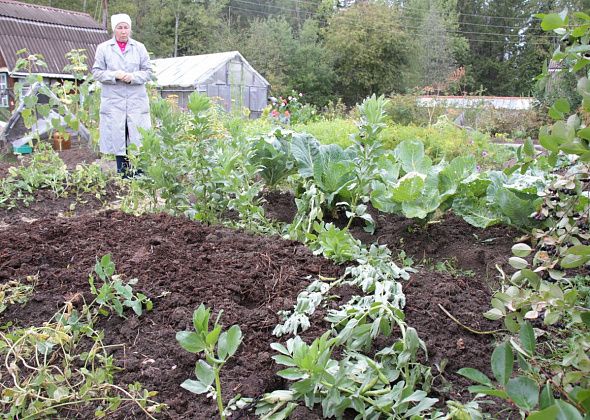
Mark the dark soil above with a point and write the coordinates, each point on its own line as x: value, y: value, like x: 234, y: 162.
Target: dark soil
x: 180, y: 264
x: 46, y: 204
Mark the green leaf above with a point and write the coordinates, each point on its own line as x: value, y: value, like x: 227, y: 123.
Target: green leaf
x: 521, y: 250
x: 191, y: 341
x: 524, y: 392
x: 562, y: 105
x: 195, y: 387
x: 573, y: 261
x: 502, y: 363
x: 482, y: 389
x: 493, y: 314
x: 552, y: 21
x: 546, y: 399
x: 201, y: 319
x: 411, y: 155
x: 293, y: 374
x: 527, y: 338
x: 476, y: 212
x: 408, y: 188
x: 212, y: 337
x: 583, y: 250
x: 304, y: 149
x: 518, y: 263
x: 229, y: 342
x: 559, y: 411
x: 205, y: 373
x: 476, y: 376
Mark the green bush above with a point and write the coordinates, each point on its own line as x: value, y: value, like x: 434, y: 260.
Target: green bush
x: 403, y: 110
x: 515, y: 123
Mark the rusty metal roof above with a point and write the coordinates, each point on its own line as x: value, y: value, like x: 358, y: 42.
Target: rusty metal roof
x: 47, y: 31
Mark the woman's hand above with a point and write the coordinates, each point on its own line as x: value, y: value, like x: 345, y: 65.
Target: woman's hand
x: 125, y: 77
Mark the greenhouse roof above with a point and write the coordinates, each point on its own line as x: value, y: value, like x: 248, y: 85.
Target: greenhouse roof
x: 191, y: 70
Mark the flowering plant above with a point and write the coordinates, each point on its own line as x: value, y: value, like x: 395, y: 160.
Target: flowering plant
x: 285, y: 109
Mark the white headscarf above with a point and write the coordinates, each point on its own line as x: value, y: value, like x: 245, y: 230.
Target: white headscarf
x: 120, y: 18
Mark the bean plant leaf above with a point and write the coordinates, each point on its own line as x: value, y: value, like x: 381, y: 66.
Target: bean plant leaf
x: 229, y: 341
x: 552, y: 21
x: 201, y: 319
x: 195, y: 387
x: 502, y: 363
x: 521, y: 250
x: 558, y: 411
x: 527, y: 338
x: 191, y: 341
x: 524, y: 392
x: 482, y: 389
x: 211, y: 338
x: 546, y: 398
x: 204, y: 372
x: 476, y: 376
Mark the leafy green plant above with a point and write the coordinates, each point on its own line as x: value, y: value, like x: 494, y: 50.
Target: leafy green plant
x: 537, y: 402
x: 217, y: 347
x: 113, y: 294
x: 273, y: 155
x: 334, y: 243
x: 373, y: 388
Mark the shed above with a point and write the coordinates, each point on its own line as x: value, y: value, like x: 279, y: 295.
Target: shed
x: 42, y: 30
x: 227, y: 76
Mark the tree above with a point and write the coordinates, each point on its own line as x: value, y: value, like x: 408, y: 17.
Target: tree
x: 369, y: 49
x: 310, y: 67
x: 269, y: 47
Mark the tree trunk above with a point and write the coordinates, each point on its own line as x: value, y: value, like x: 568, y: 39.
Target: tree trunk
x: 176, y: 20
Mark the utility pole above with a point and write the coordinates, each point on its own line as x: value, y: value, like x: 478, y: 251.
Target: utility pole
x: 105, y: 13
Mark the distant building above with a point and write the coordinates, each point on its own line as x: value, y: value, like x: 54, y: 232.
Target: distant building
x: 226, y: 76
x: 42, y: 30
x: 498, y: 102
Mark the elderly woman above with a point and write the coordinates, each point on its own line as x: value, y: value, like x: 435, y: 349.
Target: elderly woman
x: 122, y: 66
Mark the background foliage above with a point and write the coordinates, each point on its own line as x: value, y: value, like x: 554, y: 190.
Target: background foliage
x: 331, y: 49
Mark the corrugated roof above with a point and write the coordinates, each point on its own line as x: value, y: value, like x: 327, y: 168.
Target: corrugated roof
x: 47, y: 31
x: 45, y: 14
x: 190, y: 70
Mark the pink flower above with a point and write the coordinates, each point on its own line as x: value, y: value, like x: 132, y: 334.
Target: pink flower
x: 274, y: 113
x: 287, y: 113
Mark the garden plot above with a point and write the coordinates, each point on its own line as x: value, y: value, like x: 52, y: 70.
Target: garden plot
x: 180, y: 264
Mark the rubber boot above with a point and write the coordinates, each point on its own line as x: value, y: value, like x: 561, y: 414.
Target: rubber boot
x: 123, y: 166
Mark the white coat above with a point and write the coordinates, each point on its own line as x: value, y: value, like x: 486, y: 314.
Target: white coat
x: 122, y: 103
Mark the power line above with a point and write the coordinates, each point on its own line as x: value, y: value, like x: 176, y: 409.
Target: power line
x: 422, y: 10
x: 357, y: 24
x: 341, y: 16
